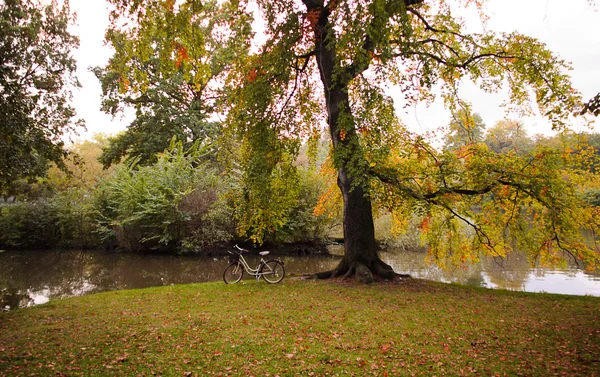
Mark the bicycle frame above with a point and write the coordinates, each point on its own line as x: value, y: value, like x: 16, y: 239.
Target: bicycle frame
x: 251, y: 271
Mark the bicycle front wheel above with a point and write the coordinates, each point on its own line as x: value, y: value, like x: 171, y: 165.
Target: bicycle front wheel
x: 272, y: 271
x: 233, y: 273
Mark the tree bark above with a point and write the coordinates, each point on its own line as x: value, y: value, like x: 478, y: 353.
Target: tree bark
x: 359, y: 231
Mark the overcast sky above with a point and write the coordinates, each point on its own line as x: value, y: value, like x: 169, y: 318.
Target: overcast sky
x: 569, y: 28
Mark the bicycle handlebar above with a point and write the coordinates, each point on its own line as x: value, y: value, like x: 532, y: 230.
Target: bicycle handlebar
x: 240, y: 249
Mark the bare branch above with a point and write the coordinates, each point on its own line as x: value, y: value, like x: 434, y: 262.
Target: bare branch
x: 465, y: 64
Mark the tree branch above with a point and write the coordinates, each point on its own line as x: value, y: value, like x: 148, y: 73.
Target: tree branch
x: 478, y: 230
x: 472, y: 59
x: 307, y: 55
x: 434, y: 41
x: 431, y: 28
x: 312, y: 4
x: 559, y: 243
x: 592, y: 106
x: 362, y: 59
x: 447, y: 190
x: 461, y: 65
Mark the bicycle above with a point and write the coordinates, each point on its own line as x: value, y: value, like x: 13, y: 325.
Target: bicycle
x: 271, y: 270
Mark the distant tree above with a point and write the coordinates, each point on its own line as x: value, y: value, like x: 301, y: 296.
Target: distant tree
x: 171, y: 69
x: 508, y: 136
x: 582, y: 152
x: 84, y: 169
x: 582, y: 147
x: 465, y: 128
x: 37, y: 73
x: 592, y: 140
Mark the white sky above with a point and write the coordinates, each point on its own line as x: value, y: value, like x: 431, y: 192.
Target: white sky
x: 92, y: 20
x: 569, y: 28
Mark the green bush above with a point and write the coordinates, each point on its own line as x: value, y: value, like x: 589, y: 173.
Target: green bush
x: 63, y: 220
x: 172, y: 205
x: 210, y: 224
x: 29, y: 225
x: 73, y: 211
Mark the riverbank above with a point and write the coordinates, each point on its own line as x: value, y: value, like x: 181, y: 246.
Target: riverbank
x: 305, y: 328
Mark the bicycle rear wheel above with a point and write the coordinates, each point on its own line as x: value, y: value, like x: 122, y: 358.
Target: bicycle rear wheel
x: 272, y: 271
x: 233, y: 273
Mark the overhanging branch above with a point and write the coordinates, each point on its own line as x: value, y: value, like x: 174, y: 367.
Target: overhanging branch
x: 433, y: 195
x: 592, y: 106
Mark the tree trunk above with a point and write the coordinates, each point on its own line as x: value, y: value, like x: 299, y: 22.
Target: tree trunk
x: 359, y: 231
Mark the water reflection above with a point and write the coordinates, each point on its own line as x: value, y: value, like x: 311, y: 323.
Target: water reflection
x: 34, y: 277
x: 413, y: 263
x: 30, y: 277
x: 512, y: 273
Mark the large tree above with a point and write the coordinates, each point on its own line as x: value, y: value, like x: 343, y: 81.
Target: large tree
x: 37, y: 73
x: 329, y: 62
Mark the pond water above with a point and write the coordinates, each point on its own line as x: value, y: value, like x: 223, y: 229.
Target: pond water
x: 34, y: 277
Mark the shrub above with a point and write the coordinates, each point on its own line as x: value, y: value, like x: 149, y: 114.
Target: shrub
x: 168, y: 205
x: 29, y: 225
x: 63, y: 220
x: 73, y: 211
x: 209, y: 224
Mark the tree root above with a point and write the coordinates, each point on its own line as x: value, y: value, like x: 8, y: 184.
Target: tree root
x: 323, y: 275
x: 350, y: 271
x: 363, y: 272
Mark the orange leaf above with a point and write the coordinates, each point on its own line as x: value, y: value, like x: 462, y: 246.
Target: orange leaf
x: 251, y: 77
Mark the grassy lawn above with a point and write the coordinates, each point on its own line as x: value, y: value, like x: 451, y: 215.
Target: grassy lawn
x: 305, y: 328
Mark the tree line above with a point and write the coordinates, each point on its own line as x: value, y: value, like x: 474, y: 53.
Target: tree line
x: 183, y: 201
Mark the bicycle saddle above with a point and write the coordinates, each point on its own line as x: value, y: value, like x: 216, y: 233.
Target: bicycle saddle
x: 264, y: 253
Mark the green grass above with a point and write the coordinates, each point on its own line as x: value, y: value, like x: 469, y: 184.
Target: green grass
x: 305, y: 328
